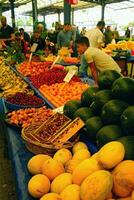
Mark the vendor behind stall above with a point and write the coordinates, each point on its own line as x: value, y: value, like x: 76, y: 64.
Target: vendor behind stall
x: 36, y: 38
x: 97, y: 60
x: 6, y: 31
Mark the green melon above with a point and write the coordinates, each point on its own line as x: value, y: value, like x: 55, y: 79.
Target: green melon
x: 88, y: 96
x: 112, y: 111
x: 128, y: 142
x: 100, y: 99
x: 84, y: 113
x: 123, y: 89
x: 70, y: 108
x: 107, y: 77
x: 107, y: 134
x: 93, y: 125
x: 127, y: 120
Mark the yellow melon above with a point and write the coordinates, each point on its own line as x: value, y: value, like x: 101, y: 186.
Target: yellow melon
x: 78, y: 146
x: 96, y: 186
x: 71, y: 192
x: 132, y: 196
x: 38, y: 185
x: 51, y: 196
x: 61, y: 182
x: 126, y: 198
x: 95, y: 156
x: 71, y: 165
x: 111, y: 154
x: 82, y: 154
x: 123, y: 176
x: 63, y: 155
x: 35, y: 163
x: 84, y: 169
x: 52, y: 168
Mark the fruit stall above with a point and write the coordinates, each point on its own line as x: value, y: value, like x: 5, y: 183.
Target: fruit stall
x: 68, y: 132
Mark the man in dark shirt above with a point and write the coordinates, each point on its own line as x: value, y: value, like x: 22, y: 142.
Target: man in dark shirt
x: 6, y: 31
x: 36, y: 38
x: 24, y: 35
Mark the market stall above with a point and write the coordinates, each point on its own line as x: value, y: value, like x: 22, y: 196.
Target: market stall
x: 95, y: 116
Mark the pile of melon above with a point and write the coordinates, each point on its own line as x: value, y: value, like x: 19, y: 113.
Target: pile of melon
x: 78, y: 175
x: 107, y: 110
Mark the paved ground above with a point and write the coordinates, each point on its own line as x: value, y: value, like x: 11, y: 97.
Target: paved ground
x: 7, y: 185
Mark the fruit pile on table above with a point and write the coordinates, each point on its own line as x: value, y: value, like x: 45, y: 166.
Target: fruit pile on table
x: 78, y: 175
x: 25, y: 117
x: 33, y: 68
x: 10, y: 83
x: 50, y: 77
x: 58, y: 94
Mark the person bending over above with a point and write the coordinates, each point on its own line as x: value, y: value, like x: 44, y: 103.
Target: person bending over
x: 96, y: 59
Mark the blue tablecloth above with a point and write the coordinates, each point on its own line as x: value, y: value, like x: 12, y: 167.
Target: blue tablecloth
x: 19, y: 157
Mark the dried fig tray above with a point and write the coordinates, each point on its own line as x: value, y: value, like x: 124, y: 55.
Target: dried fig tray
x: 48, y: 129
x: 57, y: 132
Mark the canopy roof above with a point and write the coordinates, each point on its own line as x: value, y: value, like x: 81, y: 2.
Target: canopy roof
x: 51, y: 6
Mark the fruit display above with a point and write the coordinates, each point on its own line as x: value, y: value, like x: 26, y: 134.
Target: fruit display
x: 49, y: 130
x: 10, y: 83
x: 107, y: 111
x: 123, y: 45
x: 24, y: 99
x: 71, y: 60
x: 28, y: 116
x: 58, y: 94
x: 33, y: 68
x: 58, y: 131
x: 50, y: 77
x: 104, y: 175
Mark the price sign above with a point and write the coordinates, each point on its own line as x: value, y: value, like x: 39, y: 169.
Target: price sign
x: 69, y: 75
x: 34, y: 47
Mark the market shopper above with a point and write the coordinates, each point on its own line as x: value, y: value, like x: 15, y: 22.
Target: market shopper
x: 95, y: 35
x: 24, y: 35
x: 65, y: 37
x: 36, y: 38
x: 96, y: 59
x: 6, y: 31
x: 109, y: 35
x: 127, y: 32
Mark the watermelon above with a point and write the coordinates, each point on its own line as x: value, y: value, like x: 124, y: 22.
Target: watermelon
x: 128, y: 142
x: 123, y: 89
x: 100, y: 99
x: 88, y: 96
x: 107, y: 77
x: 93, y: 125
x: 107, y: 134
x: 112, y: 111
x: 70, y: 108
x: 127, y: 120
x: 84, y: 113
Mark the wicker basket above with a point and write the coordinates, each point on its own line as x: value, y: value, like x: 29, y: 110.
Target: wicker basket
x: 50, y: 149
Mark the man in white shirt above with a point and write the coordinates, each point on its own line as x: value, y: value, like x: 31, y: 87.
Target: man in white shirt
x: 95, y: 35
x: 96, y: 59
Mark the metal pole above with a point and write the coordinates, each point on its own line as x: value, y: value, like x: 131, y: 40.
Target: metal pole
x: 58, y: 16
x: 67, y: 12
x: 103, y: 11
x: 0, y: 9
x: 72, y: 15
x: 35, y: 11
x: 12, y: 12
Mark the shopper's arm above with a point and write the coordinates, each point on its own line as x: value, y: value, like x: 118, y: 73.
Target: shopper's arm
x: 94, y: 72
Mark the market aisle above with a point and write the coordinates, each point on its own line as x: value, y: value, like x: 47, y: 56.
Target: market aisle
x: 7, y: 185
